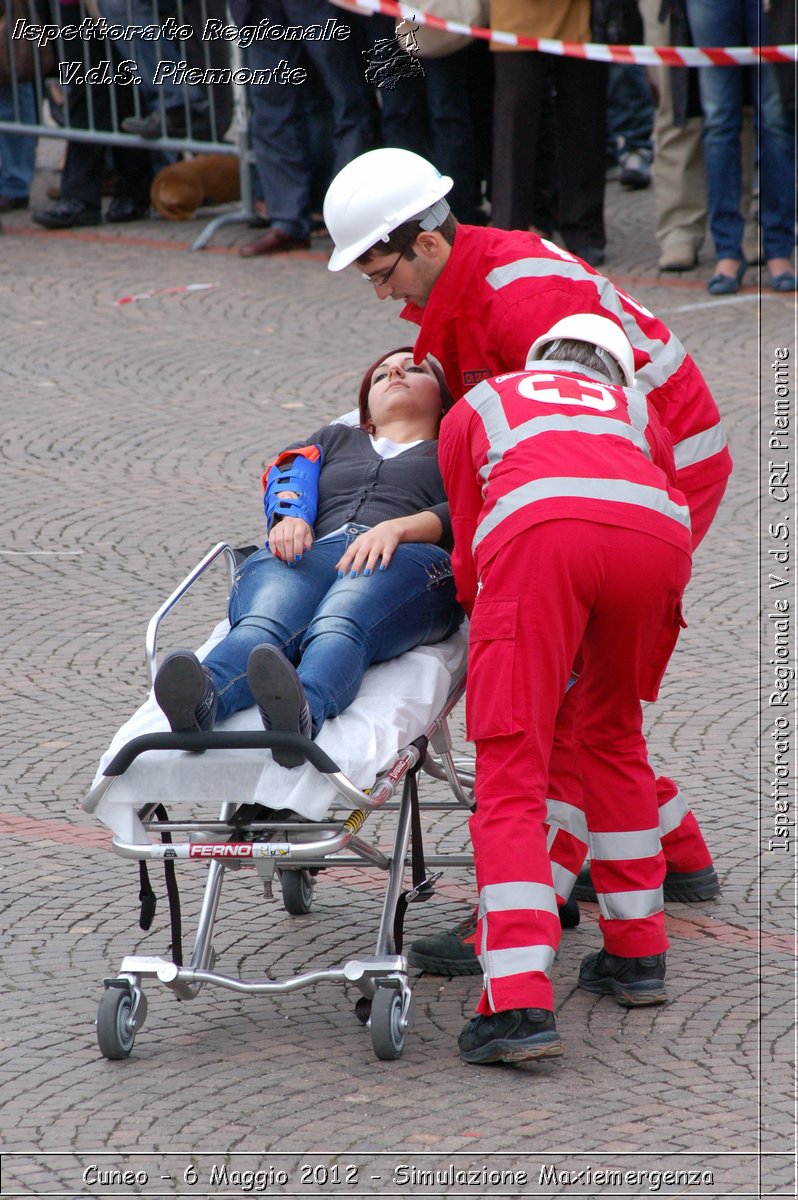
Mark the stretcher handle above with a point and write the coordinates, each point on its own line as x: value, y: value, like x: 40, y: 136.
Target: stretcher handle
x: 216, y: 740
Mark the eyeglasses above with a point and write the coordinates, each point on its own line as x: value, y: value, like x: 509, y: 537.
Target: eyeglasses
x: 380, y: 278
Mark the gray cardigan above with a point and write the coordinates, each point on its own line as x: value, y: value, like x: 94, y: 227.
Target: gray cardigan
x: 356, y: 484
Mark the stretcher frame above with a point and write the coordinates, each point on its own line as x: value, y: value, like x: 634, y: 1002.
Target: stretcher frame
x: 298, y: 852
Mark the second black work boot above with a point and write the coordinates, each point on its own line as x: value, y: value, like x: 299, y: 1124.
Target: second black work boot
x: 679, y: 887
x: 515, y: 1035
x: 280, y: 698
x: 455, y: 953
x: 186, y: 693
x: 632, y: 982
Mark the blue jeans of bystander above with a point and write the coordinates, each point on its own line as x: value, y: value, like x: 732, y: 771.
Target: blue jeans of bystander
x: 741, y: 23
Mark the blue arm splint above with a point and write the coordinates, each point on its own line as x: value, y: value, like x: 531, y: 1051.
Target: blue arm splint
x: 293, y: 471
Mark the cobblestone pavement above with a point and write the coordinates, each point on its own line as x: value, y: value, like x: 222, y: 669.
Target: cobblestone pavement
x: 132, y: 439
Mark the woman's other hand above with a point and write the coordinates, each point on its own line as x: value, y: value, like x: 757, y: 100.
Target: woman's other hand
x: 290, y: 538
x: 377, y: 545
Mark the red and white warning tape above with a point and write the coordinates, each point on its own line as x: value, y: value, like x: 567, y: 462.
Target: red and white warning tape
x: 668, y: 56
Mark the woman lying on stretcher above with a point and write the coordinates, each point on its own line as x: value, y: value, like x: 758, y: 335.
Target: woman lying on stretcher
x: 356, y: 569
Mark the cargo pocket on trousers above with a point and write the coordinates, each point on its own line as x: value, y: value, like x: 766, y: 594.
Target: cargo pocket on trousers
x: 490, y: 695
x: 652, y: 671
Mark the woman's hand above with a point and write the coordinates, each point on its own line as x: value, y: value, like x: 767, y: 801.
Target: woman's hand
x: 380, y: 542
x: 368, y: 548
x: 290, y: 538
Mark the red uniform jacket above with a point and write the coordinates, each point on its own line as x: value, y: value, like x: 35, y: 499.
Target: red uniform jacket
x: 501, y: 290
x: 545, y: 445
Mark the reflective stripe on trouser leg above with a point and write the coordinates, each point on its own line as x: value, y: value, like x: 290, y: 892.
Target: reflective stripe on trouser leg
x: 627, y: 869
x: 518, y: 926
x: 682, y: 841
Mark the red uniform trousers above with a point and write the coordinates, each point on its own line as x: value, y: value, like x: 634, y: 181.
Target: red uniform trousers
x: 559, y: 590
x: 682, y: 841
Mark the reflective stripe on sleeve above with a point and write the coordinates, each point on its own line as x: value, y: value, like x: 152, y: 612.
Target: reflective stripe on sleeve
x: 672, y: 813
x: 506, y: 897
x: 700, y: 447
x: 666, y: 357
x: 619, y: 491
x: 630, y: 906
x: 612, y: 847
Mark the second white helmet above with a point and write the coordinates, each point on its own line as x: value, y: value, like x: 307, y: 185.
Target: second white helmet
x: 600, y: 333
x: 375, y: 194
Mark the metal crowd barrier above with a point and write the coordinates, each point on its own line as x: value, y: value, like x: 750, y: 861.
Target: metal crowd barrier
x: 147, y: 48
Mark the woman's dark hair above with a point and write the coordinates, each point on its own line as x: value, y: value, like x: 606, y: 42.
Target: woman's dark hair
x: 447, y: 399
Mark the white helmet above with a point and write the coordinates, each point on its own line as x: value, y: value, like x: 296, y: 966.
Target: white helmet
x: 599, y: 333
x: 377, y: 192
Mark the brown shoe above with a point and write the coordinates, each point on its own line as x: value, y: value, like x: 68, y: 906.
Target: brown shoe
x: 276, y: 241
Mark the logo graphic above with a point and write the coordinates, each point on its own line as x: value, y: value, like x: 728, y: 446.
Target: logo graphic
x: 392, y: 59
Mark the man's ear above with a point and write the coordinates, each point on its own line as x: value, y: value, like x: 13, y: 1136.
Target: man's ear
x: 430, y: 244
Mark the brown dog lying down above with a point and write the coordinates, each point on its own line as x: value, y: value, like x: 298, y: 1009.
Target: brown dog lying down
x: 181, y: 188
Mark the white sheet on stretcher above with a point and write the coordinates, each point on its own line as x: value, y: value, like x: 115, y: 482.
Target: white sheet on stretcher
x: 398, y: 700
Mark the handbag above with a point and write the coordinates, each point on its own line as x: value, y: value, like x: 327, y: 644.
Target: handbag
x: 437, y: 43
x: 25, y: 53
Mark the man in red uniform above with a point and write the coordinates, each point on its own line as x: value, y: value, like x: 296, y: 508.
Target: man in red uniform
x: 572, y: 547
x: 481, y: 298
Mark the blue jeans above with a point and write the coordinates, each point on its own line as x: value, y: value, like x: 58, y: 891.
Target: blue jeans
x: 630, y: 111
x: 17, y: 151
x: 334, y: 629
x: 278, y: 124
x: 741, y: 23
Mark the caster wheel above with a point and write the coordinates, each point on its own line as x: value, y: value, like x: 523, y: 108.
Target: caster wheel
x: 297, y: 892
x: 387, y: 1034
x: 115, y: 1036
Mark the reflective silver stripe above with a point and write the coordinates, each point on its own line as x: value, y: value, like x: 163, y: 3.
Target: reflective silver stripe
x: 666, y: 358
x: 699, y: 447
x: 630, y: 906
x: 487, y: 404
x: 567, y: 817
x: 518, y: 960
x: 506, y: 897
x: 638, y: 843
x: 564, y: 879
x: 672, y: 813
x: 620, y: 491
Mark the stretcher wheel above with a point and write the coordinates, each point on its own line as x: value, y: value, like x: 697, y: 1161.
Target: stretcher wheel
x: 297, y: 892
x: 115, y: 1036
x: 387, y: 1034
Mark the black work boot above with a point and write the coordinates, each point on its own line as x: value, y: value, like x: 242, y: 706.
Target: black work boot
x: 186, y: 693
x: 632, y: 982
x: 455, y: 953
x: 679, y: 887
x: 511, y: 1036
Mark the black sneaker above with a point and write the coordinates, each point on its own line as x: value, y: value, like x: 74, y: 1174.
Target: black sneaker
x: 632, y: 982
x: 174, y: 123
x: 67, y: 214
x: 280, y: 698
x: 512, y: 1036
x: 679, y: 887
x: 186, y: 693
x: 455, y: 952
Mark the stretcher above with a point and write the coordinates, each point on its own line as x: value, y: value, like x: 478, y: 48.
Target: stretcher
x: 218, y: 799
